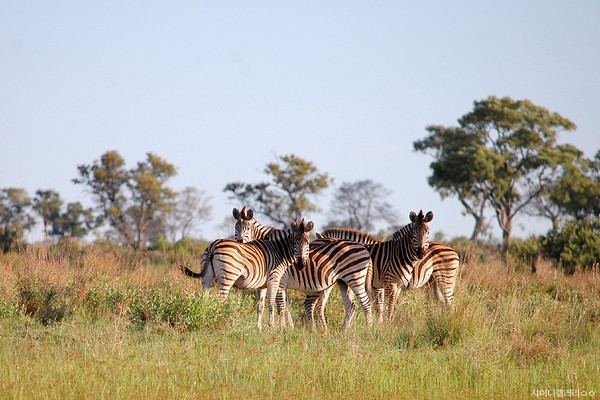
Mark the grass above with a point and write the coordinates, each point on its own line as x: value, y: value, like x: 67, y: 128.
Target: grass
x: 95, y: 323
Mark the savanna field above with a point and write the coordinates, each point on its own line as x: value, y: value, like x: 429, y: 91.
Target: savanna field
x: 102, y: 322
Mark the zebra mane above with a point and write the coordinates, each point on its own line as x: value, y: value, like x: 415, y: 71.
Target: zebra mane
x: 402, y: 232
x: 350, y: 234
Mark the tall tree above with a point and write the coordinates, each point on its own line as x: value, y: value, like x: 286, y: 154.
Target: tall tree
x: 573, y: 192
x: 359, y: 205
x: 106, y: 180
x: 15, y: 218
x: 454, y: 150
x: 150, y: 196
x: 287, y: 196
x: 189, y: 208
x: 47, y: 204
x: 75, y: 222
x: 133, y: 200
x: 577, y: 190
x: 510, y: 160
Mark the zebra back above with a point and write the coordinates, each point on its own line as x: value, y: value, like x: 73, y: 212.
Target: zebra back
x: 346, y: 262
x: 393, y: 261
x: 350, y: 234
x: 438, y: 267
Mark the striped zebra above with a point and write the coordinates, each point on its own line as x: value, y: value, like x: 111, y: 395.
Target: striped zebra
x: 438, y: 268
x: 332, y: 261
x: 394, y: 260
x: 256, y: 265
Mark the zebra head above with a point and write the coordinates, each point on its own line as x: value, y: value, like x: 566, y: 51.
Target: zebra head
x: 301, y: 242
x: 244, y: 224
x: 420, y: 232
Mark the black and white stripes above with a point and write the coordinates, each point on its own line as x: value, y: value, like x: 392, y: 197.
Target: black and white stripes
x: 331, y: 261
x: 256, y: 265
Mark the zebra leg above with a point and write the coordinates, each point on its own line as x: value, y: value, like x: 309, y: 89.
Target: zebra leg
x: 209, y: 277
x: 288, y: 312
x: 365, y: 302
x: 378, y: 302
x: 260, y: 307
x: 321, y: 301
x: 349, y: 305
x: 391, y: 290
x: 309, y: 307
x: 443, y: 292
x: 283, y: 308
x: 272, y: 290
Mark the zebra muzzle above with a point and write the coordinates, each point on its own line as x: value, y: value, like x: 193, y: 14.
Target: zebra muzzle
x: 299, y: 265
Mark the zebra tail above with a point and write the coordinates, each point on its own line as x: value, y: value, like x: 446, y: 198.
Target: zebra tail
x: 204, y: 263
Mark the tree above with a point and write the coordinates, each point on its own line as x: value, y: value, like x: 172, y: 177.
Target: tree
x: 509, y: 160
x: 75, y: 222
x: 150, y: 196
x: 573, y: 192
x: 132, y: 201
x: 15, y: 219
x: 106, y: 180
x: 359, y: 205
x: 453, y: 149
x: 294, y: 181
x: 189, y: 208
x: 47, y: 204
x: 577, y: 191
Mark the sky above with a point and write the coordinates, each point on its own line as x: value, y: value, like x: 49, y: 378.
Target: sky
x: 222, y: 88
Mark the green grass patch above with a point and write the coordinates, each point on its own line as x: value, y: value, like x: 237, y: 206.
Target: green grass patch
x: 103, y: 328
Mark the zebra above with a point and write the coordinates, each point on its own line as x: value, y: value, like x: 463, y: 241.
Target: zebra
x: 438, y: 268
x: 256, y: 265
x: 332, y: 261
x: 393, y: 261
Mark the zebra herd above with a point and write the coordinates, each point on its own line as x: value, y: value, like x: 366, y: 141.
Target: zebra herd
x: 274, y: 260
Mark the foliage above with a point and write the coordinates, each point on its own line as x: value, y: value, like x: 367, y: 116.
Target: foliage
x: 576, y: 246
x: 14, y: 217
x: 75, y: 222
x: 119, y: 328
x: 526, y: 253
x: 47, y: 204
x: 293, y: 181
x: 503, y: 154
x: 577, y: 191
x: 134, y: 201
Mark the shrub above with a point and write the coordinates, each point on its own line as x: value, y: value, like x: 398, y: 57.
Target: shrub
x: 575, y: 247
x: 526, y: 253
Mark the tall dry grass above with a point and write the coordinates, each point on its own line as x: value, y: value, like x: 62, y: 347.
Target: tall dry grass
x: 102, y: 322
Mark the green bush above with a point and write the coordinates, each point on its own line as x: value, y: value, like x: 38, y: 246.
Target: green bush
x: 575, y: 247
x: 46, y: 303
x: 170, y: 305
x: 526, y: 253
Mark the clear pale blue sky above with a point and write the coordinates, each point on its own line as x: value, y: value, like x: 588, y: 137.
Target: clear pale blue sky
x: 221, y: 88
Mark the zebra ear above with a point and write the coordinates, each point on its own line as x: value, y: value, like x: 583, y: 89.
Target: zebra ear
x: 236, y: 213
x: 249, y: 214
x: 428, y: 217
x: 309, y: 226
x: 413, y: 217
x: 294, y: 225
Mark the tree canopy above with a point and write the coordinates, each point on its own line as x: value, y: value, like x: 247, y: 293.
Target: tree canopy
x: 503, y: 155
x: 293, y: 181
x: 133, y: 201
